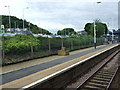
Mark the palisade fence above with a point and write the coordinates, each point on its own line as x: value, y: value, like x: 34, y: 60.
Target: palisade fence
x: 49, y: 46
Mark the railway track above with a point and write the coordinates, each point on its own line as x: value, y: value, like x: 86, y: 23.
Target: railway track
x: 103, y: 77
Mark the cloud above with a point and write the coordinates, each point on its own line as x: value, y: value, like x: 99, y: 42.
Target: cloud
x: 57, y: 14
x: 74, y: 13
x: 54, y: 27
x: 63, y: 13
x: 74, y: 0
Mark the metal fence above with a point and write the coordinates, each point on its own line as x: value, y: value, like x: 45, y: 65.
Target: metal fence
x: 50, y: 46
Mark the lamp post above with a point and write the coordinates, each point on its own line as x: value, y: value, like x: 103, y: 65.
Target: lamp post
x: 112, y: 36
x: 9, y: 16
x: 95, y: 31
x: 94, y: 35
x: 23, y: 16
x: 112, y: 30
x: 112, y: 33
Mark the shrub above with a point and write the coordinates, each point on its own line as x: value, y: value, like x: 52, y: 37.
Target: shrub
x: 20, y: 44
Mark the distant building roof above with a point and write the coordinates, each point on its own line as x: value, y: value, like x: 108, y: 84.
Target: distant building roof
x: 82, y: 32
x: 24, y: 32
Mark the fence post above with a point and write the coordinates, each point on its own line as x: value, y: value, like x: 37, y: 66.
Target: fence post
x: 84, y: 43
x: 91, y: 41
x: 61, y: 42
x: 71, y: 43
x: 49, y: 45
x: 80, y: 44
x: 2, y: 48
x: 31, y: 50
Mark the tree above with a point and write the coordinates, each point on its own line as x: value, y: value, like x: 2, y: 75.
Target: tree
x: 106, y: 28
x: 66, y: 31
x: 19, y: 23
x: 118, y: 33
x: 87, y: 27
x: 101, y: 28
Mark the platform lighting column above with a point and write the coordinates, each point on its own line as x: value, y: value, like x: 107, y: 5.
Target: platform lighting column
x: 95, y: 31
x: 9, y: 16
x: 112, y: 31
x: 23, y: 16
x: 112, y: 35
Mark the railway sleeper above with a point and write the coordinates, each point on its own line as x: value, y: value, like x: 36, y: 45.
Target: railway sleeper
x: 89, y: 87
x: 106, y: 71
x: 98, y: 81
x: 97, y: 84
x: 101, y: 76
x: 109, y: 74
x: 105, y: 79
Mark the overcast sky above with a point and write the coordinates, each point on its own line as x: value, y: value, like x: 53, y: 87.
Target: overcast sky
x: 55, y: 15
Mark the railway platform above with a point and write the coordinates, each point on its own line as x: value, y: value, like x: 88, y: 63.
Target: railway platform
x: 25, y: 74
